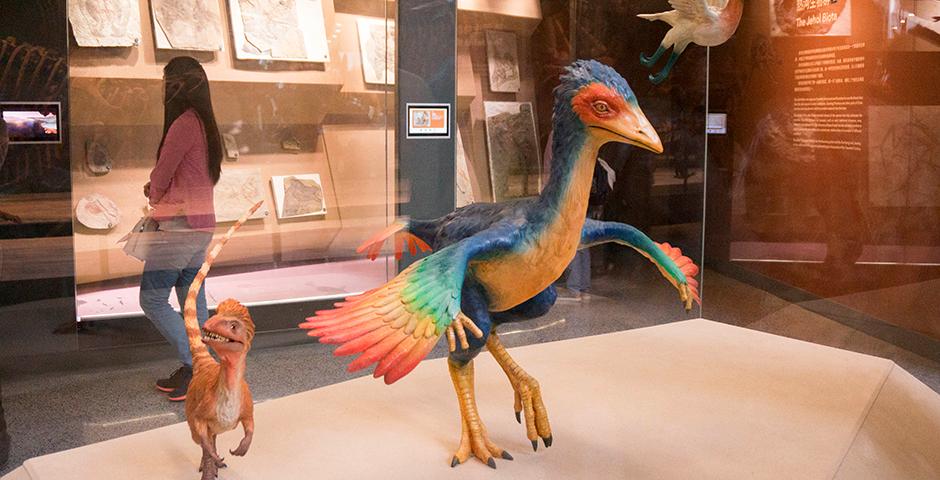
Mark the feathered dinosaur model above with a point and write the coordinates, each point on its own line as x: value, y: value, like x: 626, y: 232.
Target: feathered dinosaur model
x: 708, y: 23
x: 218, y: 398
x: 495, y: 263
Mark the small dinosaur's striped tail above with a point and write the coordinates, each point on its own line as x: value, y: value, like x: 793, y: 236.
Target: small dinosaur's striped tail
x: 200, y: 352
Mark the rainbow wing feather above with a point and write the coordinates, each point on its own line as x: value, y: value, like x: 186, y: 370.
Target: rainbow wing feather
x: 685, y: 264
x: 395, y: 326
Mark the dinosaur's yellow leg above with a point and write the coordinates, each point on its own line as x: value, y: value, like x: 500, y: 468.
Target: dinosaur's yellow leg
x: 527, y: 392
x: 473, y: 439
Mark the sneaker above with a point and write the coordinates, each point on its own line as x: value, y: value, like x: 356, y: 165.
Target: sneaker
x: 179, y: 393
x: 173, y: 381
x: 568, y: 295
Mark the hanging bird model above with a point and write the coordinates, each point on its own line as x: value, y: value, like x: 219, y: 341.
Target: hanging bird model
x: 708, y: 23
x: 495, y: 263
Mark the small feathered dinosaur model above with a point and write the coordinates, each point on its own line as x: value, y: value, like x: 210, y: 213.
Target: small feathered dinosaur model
x: 708, y: 23
x: 218, y: 398
x: 495, y: 263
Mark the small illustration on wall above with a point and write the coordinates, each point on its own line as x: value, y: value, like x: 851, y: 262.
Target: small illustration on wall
x: 502, y: 58
x: 515, y: 169
x: 285, y: 30
x: 377, y: 48
x: 237, y: 191
x: 298, y: 195
x: 105, y: 23
x: 708, y: 23
x: 97, y: 158
x: 97, y: 212
x: 187, y: 24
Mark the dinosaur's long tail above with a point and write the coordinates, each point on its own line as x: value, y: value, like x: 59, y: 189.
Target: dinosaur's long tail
x: 193, y: 333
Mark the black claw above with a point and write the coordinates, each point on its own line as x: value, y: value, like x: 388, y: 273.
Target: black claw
x: 454, y: 462
x: 535, y: 445
x: 519, y: 417
x: 506, y: 455
x: 491, y: 463
x: 547, y: 441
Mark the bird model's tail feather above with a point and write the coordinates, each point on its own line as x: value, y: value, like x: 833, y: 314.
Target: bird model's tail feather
x: 200, y: 353
x: 668, y: 17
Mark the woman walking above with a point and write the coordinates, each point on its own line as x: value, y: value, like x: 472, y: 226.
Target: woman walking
x: 180, y: 192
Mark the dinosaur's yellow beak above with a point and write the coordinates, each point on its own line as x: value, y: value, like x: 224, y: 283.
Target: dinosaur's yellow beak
x: 633, y: 128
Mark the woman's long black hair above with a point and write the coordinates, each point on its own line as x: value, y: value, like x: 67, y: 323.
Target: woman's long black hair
x: 185, y: 87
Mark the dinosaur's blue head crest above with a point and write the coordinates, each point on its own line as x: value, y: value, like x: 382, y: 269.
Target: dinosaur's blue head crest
x: 594, y: 102
x: 582, y: 73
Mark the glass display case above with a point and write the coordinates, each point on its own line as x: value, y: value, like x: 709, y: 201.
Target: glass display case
x: 323, y: 126
x: 800, y: 169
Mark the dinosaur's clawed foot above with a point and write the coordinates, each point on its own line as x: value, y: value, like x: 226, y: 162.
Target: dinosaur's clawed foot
x: 528, y: 400
x: 527, y: 392
x: 473, y: 439
x: 210, y: 468
x: 475, y: 442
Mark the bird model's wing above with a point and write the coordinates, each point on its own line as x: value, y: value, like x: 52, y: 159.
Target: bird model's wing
x: 693, y: 9
x: 397, y: 324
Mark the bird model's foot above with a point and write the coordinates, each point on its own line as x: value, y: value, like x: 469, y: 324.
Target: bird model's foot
x: 473, y: 438
x: 527, y: 392
x: 648, y: 61
x: 659, y: 77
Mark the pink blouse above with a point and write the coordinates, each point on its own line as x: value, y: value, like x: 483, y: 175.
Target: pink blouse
x: 180, y: 185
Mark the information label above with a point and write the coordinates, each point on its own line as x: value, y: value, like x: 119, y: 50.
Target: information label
x: 428, y: 120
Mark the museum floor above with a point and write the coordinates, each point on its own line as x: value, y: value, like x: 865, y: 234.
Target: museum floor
x: 56, y: 411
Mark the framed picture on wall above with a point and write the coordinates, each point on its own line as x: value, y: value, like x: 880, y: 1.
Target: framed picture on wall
x: 502, y: 59
x: 377, y: 48
x: 238, y: 189
x: 36, y: 122
x: 283, y: 30
x: 298, y: 195
x: 512, y: 146
x: 187, y: 24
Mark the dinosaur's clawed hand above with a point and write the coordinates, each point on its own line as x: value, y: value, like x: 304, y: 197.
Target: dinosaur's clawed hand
x: 457, y: 331
x: 242, y: 447
x: 685, y: 296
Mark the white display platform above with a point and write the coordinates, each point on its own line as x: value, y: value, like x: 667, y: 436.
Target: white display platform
x: 693, y: 399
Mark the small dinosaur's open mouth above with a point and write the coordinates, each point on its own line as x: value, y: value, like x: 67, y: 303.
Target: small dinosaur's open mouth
x: 215, y: 337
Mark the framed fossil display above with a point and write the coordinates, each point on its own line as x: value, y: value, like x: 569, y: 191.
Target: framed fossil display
x: 298, y: 195
x: 187, y: 24
x: 284, y: 30
x: 377, y: 48
x: 512, y: 145
x: 502, y: 59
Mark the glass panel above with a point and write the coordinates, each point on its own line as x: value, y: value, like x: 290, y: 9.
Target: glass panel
x: 509, y: 59
x: 309, y: 136
x: 307, y: 126
x: 825, y: 188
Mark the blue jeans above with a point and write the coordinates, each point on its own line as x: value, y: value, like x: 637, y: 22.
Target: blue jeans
x: 172, y: 262
x: 579, y: 272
